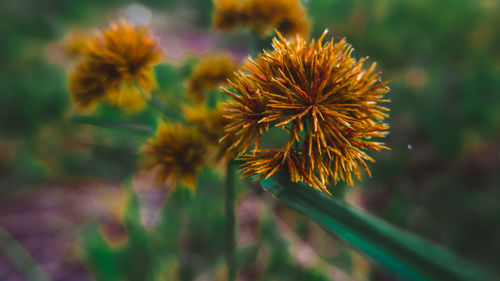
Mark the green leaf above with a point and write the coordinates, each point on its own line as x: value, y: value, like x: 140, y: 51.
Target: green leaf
x: 129, y: 126
x: 400, y: 251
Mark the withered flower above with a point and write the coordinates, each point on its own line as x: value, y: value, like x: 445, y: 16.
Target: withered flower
x: 113, y: 61
x: 287, y: 16
x: 322, y: 97
x: 210, y: 122
x: 175, y: 155
x: 212, y: 71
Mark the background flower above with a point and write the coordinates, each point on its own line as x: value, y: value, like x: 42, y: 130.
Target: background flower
x: 228, y: 14
x: 287, y: 16
x: 213, y: 70
x: 175, y: 155
x: 112, y: 62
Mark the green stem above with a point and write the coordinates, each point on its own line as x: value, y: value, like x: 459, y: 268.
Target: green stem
x: 159, y: 105
x: 253, y: 44
x: 230, y: 220
x: 400, y: 251
x: 139, y: 128
x: 164, y: 108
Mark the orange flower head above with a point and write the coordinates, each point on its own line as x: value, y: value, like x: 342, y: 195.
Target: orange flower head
x: 212, y: 71
x: 113, y: 61
x: 326, y: 101
x: 175, y: 155
x: 210, y: 122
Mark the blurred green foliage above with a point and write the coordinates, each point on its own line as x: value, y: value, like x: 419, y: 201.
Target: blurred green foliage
x: 187, y: 242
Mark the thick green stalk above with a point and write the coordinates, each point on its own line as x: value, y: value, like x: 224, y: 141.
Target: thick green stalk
x: 230, y: 225
x: 399, y: 251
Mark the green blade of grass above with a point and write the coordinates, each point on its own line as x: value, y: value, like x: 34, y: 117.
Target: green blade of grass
x: 129, y: 126
x: 157, y: 104
x: 20, y: 258
x: 399, y: 251
x: 164, y: 108
x: 230, y: 221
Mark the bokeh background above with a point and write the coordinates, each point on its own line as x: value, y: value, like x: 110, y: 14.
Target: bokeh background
x: 71, y: 198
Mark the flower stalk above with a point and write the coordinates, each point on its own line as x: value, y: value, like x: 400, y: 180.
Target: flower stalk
x: 157, y: 104
x: 133, y: 127
x: 230, y: 220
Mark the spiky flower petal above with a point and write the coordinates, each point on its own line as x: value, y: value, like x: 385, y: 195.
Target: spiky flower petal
x: 111, y: 62
x: 175, y: 154
x: 326, y: 101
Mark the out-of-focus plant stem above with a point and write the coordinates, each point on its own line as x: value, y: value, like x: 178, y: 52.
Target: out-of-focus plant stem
x: 253, y: 44
x: 230, y: 220
x: 159, y: 105
x: 229, y: 196
x: 134, y: 127
x: 20, y: 258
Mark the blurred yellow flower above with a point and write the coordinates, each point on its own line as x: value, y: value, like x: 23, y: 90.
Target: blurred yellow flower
x: 113, y: 61
x: 75, y: 43
x: 287, y: 16
x: 228, y: 14
x: 175, y: 155
x: 212, y: 71
x: 322, y: 97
